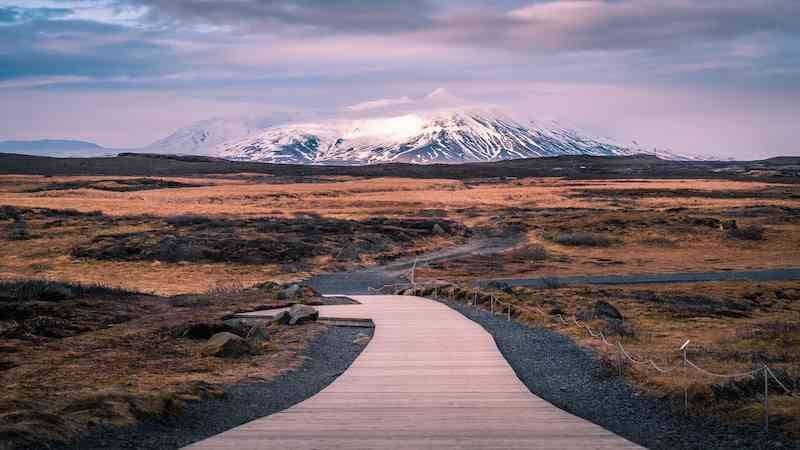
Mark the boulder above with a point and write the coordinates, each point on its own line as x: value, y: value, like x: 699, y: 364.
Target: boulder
x: 282, y: 318
x: 257, y: 335
x: 290, y: 292
x: 437, y: 229
x: 301, y: 314
x: 201, y: 330
x: 606, y: 311
x: 296, y: 291
x: 226, y: 345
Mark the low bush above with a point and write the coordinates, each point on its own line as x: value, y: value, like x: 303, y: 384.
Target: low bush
x: 754, y: 232
x: 19, y: 230
x: 581, y: 239
x: 44, y: 290
x: 532, y: 253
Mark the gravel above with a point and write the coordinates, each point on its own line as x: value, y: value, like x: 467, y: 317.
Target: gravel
x: 328, y: 357
x: 568, y: 376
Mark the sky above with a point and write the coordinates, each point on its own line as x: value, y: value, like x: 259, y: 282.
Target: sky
x: 717, y: 77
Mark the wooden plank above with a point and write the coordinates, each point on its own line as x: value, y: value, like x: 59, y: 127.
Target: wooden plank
x: 429, y: 378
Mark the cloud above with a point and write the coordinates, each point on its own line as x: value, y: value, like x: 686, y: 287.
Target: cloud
x: 20, y: 14
x: 348, y: 16
x: 376, y: 104
x: 78, y: 48
x: 618, y: 24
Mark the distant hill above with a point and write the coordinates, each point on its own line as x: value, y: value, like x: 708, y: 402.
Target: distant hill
x: 574, y: 167
x: 55, y: 147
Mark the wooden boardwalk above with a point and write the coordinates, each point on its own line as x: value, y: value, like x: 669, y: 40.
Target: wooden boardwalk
x: 430, y: 378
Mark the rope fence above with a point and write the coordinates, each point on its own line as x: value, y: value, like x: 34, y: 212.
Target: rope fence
x: 497, y: 306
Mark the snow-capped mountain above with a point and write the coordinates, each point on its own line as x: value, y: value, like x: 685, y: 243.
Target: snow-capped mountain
x: 448, y: 135
x: 206, y: 137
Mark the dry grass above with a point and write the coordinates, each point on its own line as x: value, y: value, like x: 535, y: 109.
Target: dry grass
x: 651, y: 235
x: 73, y: 358
x: 733, y: 327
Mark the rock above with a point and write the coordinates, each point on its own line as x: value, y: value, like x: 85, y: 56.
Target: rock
x: 727, y: 225
x: 282, y: 318
x: 234, y: 323
x: 201, y: 330
x: 295, y: 291
x: 301, y: 314
x: 257, y: 335
x: 606, y: 311
x: 226, y: 345
x: 437, y: 229
x: 290, y: 292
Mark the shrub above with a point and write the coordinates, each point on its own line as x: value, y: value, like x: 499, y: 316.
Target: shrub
x: 582, y: 239
x: 754, y: 232
x: 552, y: 283
x: 186, y: 220
x: 44, y: 290
x: 532, y: 253
x: 19, y: 230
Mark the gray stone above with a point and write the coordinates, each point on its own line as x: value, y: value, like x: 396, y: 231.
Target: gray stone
x: 301, y: 314
x: 234, y: 323
x: 257, y: 335
x: 606, y: 311
x: 290, y: 292
x: 282, y: 318
x: 437, y: 229
x: 226, y: 345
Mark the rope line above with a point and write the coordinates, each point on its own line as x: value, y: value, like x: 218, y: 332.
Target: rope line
x: 472, y: 298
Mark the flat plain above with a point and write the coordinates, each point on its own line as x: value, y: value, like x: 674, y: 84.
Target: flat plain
x: 193, y: 248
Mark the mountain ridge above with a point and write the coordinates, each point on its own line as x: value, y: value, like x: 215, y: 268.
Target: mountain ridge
x: 449, y: 135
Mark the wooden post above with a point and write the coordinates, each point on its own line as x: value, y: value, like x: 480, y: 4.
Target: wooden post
x: 766, y: 399
x: 684, y: 350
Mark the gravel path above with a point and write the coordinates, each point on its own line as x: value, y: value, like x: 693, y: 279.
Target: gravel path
x: 559, y: 371
x: 329, y: 356
x: 789, y: 273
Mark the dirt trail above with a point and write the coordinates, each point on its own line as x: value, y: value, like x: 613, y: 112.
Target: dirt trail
x: 397, y: 272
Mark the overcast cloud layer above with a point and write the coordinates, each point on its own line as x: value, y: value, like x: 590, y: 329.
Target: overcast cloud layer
x: 705, y: 76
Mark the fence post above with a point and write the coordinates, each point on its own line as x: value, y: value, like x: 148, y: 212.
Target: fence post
x: 766, y: 399
x: 685, y: 376
x: 492, y: 302
x: 509, y: 313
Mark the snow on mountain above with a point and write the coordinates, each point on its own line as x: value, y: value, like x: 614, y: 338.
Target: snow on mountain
x: 446, y: 135
x: 206, y: 137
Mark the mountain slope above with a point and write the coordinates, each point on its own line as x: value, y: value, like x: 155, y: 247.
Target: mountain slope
x: 54, y: 147
x: 205, y: 137
x: 440, y: 136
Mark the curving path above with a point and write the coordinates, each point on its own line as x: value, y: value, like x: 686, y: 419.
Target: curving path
x: 430, y: 378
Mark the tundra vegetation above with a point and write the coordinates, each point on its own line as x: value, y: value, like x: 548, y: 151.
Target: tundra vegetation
x: 134, y: 275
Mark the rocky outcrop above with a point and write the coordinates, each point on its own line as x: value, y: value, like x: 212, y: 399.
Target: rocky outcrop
x: 300, y: 314
x: 606, y: 311
x: 226, y: 345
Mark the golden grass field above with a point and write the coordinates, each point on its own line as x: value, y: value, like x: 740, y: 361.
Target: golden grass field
x: 650, y: 240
